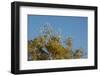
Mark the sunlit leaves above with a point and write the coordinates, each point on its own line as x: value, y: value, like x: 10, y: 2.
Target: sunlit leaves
x: 48, y: 46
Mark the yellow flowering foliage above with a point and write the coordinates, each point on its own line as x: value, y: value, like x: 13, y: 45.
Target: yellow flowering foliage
x: 50, y: 47
x: 56, y: 49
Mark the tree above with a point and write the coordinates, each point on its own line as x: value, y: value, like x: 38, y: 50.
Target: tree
x: 48, y: 46
x: 55, y: 48
x: 68, y: 49
x: 69, y: 43
x: 78, y: 54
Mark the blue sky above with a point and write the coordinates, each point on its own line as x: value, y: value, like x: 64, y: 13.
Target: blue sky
x: 70, y: 26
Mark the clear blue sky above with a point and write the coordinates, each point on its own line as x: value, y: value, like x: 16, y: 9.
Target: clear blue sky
x: 71, y: 26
